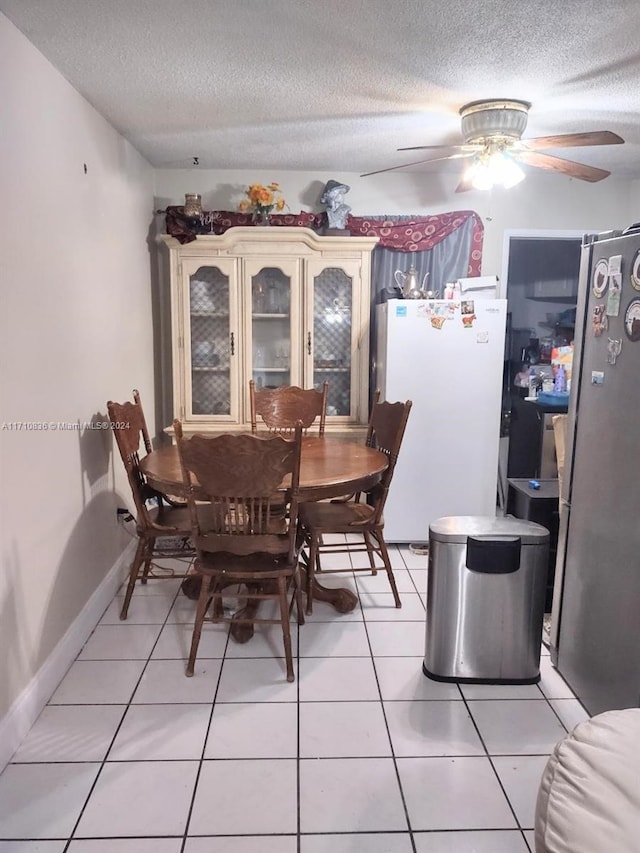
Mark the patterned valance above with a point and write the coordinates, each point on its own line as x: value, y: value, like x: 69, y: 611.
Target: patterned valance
x: 416, y: 234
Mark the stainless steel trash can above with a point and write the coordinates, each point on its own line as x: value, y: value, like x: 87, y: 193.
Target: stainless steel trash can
x: 485, y: 599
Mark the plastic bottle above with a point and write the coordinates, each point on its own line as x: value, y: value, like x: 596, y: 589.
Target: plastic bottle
x: 560, y: 384
x: 532, y: 382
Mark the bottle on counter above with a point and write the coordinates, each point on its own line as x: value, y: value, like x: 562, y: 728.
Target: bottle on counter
x: 560, y: 383
x: 533, y: 381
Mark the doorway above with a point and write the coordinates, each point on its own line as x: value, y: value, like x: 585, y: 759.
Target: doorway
x: 540, y: 282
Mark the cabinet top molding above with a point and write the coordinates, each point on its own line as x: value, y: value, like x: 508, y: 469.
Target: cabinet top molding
x: 239, y: 238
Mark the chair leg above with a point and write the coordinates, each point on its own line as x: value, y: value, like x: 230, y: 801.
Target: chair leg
x: 314, y: 558
x: 201, y: 609
x: 371, y: 551
x: 384, y: 553
x: 147, y: 560
x: 133, y: 576
x: 286, y: 627
x: 297, y: 598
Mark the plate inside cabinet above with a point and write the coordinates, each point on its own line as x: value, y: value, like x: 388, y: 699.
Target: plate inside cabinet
x: 632, y: 320
x: 635, y: 271
x: 600, y: 277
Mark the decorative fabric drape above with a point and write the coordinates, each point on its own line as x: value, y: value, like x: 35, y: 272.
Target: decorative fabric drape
x: 398, y: 233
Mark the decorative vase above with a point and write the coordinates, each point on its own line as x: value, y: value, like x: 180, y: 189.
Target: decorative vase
x: 192, y: 205
x: 261, y: 217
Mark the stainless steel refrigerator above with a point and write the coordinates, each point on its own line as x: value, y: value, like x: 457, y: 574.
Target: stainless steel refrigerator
x: 595, y: 629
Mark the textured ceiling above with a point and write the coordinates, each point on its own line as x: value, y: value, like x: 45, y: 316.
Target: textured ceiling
x: 341, y: 84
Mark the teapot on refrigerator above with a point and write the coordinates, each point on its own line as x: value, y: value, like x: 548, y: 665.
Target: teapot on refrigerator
x: 409, y: 283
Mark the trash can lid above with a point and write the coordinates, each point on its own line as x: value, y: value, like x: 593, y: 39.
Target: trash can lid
x: 456, y: 528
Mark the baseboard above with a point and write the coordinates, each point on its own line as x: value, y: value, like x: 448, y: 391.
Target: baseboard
x: 25, y: 710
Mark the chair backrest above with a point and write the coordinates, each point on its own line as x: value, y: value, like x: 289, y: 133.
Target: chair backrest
x: 385, y: 433
x: 130, y: 428
x: 281, y: 408
x: 234, y: 488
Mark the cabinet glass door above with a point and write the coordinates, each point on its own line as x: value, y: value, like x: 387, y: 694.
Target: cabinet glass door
x: 271, y: 340
x: 334, y: 338
x: 210, y: 349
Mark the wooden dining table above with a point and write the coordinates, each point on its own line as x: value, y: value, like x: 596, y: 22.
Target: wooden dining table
x: 329, y: 468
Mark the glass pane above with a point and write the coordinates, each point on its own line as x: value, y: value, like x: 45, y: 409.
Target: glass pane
x: 271, y: 328
x: 332, y: 301
x: 210, y: 367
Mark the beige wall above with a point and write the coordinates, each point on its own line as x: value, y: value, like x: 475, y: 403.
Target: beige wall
x: 76, y: 330
x: 542, y: 201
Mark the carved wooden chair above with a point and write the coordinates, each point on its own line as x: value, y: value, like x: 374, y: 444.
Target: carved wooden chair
x: 232, y: 483
x: 361, y: 513
x: 281, y: 408
x: 167, y: 520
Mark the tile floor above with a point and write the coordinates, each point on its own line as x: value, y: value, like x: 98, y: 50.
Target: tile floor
x: 361, y: 753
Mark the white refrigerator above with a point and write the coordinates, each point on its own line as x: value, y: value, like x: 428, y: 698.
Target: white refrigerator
x: 448, y: 358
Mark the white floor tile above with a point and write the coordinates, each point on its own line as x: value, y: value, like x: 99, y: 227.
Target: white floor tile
x: 411, y: 560
x: 144, y: 610
x: 256, y: 680
x: 334, y: 729
x: 96, y: 681
x: 325, y: 612
x: 143, y: 798
x: 501, y: 691
x: 32, y: 846
x: 243, y: 844
x: 481, y: 841
x: 43, y: 800
x: 324, y: 639
x: 403, y: 679
x: 380, y: 607
x: 570, y: 712
x: 183, y: 610
x: 120, y: 642
x: 420, y: 580
x: 126, y: 845
x: 396, y: 639
x: 175, y: 641
x: 350, y: 795
x: 334, y: 679
x: 529, y: 836
x: 380, y: 583
x: 165, y: 681
x: 520, y: 776
x: 71, y: 733
x: 162, y: 733
x: 247, y: 730
x: 453, y: 793
x: 432, y: 728
x: 517, y: 726
x: 166, y: 586
x: 552, y: 683
x: 267, y: 642
x: 249, y: 797
x: 381, y: 842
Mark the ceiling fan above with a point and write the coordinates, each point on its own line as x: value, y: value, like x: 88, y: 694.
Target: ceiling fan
x: 492, y: 131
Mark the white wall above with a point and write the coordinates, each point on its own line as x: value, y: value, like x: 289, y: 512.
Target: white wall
x: 76, y: 330
x: 542, y: 201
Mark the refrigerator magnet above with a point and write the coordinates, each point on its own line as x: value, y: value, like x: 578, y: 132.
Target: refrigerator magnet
x: 614, y: 348
x: 635, y: 271
x: 467, y: 312
x: 600, y: 277
x: 599, y: 321
x: 632, y: 320
x: 613, y: 297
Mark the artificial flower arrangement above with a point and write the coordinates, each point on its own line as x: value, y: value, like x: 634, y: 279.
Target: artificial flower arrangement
x: 261, y: 200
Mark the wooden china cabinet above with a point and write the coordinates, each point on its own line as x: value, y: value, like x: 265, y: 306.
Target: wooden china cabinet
x: 281, y: 305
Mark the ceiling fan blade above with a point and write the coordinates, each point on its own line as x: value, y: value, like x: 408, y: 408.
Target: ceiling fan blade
x: 461, y: 147
x: 417, y: 163
x: 574, y: 140
x: 565, y: 167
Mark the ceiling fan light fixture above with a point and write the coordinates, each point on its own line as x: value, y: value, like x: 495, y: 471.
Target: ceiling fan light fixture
x: 493, y: 168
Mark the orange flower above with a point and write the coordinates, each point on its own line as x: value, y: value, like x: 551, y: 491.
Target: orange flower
x: 262, y: 199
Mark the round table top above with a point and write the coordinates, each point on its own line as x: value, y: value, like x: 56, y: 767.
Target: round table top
x: 329, y: 467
